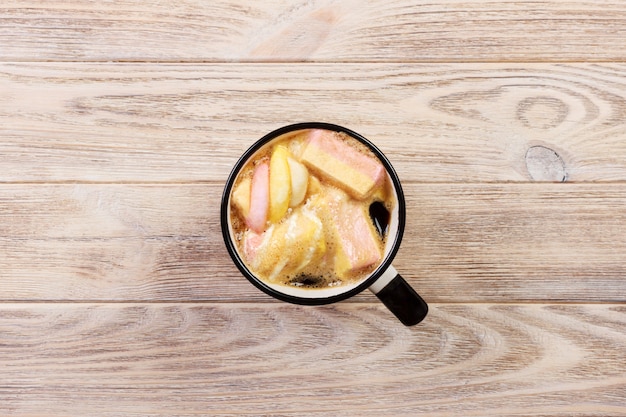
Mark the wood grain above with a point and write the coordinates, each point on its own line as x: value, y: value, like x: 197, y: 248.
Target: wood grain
x: 120, y: 121
x: 322, y: 30
x: 463, y: 243
x: 438, y: 123
x: 188, y: 359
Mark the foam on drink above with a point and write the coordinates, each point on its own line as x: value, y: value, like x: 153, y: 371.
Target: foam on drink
x: 320, y: 236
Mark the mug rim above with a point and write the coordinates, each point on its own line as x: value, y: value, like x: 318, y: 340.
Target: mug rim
x: 257, y: 282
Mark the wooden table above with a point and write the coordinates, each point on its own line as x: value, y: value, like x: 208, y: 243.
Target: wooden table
x: 120, y: 121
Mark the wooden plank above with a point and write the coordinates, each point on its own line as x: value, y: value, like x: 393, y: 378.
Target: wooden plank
x: 437, y: 123
x: 463, y: 243
x: 236, y: 30
x: 189, y: 359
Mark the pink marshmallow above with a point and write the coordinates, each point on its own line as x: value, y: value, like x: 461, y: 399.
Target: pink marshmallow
x: 342, y: 164
x: 259, y: 198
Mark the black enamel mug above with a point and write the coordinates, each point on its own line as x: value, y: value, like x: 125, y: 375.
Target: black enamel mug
x: 384, y: 281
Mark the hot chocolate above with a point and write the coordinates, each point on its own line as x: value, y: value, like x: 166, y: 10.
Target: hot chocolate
x: 311, y: 209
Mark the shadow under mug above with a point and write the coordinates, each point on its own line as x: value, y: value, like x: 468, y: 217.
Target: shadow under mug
x: 384, y: 281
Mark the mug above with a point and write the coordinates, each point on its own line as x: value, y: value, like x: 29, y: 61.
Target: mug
x: 384, y: 281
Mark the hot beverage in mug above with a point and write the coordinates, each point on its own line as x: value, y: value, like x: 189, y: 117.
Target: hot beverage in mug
x: 311, y: 210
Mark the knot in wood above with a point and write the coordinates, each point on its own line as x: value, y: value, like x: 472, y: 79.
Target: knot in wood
x: 544, y: 164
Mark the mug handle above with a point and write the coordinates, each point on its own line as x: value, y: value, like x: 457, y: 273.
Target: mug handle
x: 399, y: 297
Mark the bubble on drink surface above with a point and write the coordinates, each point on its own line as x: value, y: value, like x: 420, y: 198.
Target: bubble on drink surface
x: 309, y: 281
x: 380, y: 217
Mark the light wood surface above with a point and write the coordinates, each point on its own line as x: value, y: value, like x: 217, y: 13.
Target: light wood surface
x: 438, y: 123
x: 258, y: 359
x: 321, y: 30
x: 463, y: 243
x: 120, y: 121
